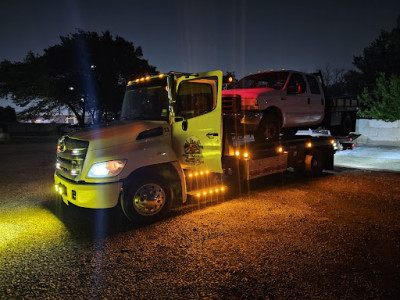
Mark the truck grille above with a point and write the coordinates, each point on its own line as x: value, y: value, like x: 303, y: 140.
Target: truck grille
x: 230, y: 105
x: 71, y: 155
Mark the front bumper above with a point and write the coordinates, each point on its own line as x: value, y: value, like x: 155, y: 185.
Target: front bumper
x: 88, y: 195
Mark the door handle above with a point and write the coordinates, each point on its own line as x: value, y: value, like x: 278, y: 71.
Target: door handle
x: 211, y: 134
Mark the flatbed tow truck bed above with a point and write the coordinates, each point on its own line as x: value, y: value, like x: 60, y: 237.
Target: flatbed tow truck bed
x: 301, y: 152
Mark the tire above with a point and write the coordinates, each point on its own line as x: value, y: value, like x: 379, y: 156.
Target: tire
x: 268, y: 129
x: 315, y: 163
x: 146, y: 200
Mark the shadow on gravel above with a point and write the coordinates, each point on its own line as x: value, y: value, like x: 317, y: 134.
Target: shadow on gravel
x: 90, y: 224
x: 237, y: 190
x: 97, y: 224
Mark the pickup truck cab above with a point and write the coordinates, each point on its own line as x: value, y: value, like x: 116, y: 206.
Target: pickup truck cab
x: 270, y: 102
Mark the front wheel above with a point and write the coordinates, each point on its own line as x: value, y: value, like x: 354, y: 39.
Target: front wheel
x: 268, y: 129
x: 146, y: 199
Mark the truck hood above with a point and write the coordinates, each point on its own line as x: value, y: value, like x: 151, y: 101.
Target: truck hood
x: 247, y: 93
x: 116, y: 133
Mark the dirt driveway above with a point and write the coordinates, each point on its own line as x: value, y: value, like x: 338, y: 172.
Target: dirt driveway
x: 333, y: 237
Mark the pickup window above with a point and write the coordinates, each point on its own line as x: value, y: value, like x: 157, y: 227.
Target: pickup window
x: 296, y: 84
x: 274, y: 80
x: 313, y: 84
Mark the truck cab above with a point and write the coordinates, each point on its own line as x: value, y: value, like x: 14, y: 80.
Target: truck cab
x: 170, y: 127
x: 270, y: 102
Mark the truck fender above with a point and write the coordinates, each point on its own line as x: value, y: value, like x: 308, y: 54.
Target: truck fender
x: 171, y: 172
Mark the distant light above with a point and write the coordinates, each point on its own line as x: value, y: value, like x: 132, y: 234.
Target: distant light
x: 71, y: 88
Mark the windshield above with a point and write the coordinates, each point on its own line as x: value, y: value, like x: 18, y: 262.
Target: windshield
x: 275, y: 80
x: 146, y: 101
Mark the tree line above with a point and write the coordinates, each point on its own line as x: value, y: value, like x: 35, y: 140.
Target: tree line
x: 87, y: 73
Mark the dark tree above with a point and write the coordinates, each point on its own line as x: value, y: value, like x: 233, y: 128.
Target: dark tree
x: 334, y: 80
x: 381, y: 56
x: 7, y: 114
x: 85, y: 73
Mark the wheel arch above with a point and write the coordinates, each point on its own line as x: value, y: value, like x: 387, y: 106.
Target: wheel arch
x: 168, y: 172
x: 274, y: 110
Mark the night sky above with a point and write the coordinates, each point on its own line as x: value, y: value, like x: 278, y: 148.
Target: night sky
x: 193, y: 36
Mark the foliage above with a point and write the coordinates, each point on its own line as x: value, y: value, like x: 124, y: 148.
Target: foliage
x: 384, y: 102
x: 7, y: 114
x: 86, y: 72
x: 381, y: 56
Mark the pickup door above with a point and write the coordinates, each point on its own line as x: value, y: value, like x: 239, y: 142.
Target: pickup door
x: 196, y: 125
x: 317, y: 100
x: 296, y: 103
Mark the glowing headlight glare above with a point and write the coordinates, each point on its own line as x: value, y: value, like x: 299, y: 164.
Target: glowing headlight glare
x: 107, y: 168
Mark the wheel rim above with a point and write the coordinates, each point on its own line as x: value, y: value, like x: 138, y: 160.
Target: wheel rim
x: 149, y: 199
x: 270, y: 131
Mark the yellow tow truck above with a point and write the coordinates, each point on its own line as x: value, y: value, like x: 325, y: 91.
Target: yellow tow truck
x: 172, y: 141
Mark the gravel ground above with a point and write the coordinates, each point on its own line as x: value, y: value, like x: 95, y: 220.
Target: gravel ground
x: 333, y: 237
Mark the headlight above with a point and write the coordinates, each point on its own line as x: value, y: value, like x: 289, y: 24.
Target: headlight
x: 107, y: 169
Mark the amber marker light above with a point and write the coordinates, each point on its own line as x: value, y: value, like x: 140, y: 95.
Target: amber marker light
x: 237, y: 153
x: 333, y: 142
x: 246, y: 155
x: 279, y: 150
x: 309, y: 145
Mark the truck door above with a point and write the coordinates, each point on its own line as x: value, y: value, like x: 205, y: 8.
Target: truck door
x: 297, y: 104
x: 317, y: 105
x: 197, y: 121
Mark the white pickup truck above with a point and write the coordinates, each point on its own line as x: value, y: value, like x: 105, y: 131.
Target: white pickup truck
x: 269, y: 103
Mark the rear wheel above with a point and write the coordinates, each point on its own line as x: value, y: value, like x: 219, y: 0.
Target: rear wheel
x: 268, y: 129
x: 146, y: 199
x: 315, y: 163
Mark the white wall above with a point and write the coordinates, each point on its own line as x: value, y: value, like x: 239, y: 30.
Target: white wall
x: 378, y: 132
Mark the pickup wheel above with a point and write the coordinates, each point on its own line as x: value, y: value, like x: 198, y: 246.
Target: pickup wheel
x: 315, y: 163
x: 146, y: 200
x: 268, y: 129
